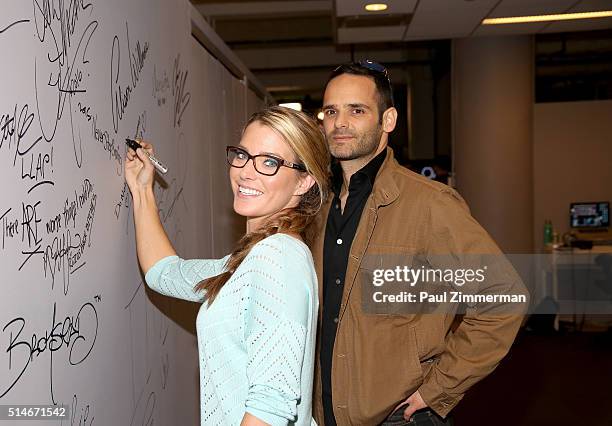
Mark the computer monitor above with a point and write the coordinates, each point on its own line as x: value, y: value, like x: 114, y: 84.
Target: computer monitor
x: 592, y: 215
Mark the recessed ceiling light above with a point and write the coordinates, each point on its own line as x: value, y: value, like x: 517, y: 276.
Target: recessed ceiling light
x: 546, y: 18
x: 376, y: 7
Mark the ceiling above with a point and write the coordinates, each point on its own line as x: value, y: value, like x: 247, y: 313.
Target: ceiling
x: 291, y: 45
x: 408, y: 20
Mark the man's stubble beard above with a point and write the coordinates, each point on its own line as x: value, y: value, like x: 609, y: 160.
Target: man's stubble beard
x: 363, y: 145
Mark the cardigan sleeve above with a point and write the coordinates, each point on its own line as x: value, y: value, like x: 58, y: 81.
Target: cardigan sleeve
x: 176, y: 277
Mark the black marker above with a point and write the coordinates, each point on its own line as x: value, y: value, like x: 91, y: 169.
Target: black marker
x: 158, y: 164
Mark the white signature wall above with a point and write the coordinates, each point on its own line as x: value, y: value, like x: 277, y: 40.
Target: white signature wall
x: 77, y: 325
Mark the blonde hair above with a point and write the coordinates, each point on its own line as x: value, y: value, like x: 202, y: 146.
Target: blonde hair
x: 307, y: 142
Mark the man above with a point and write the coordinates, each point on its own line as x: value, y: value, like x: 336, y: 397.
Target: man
x: 382, y: 369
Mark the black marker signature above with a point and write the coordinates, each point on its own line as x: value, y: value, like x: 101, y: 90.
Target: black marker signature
x: 120, y: 95
x: 10, y: 227
x: 9, y: 26
x: 29, y: 228
x: 48, y: 12
x: 124, y: 201
x: 164, y: 370
x: 83, y: 419
x: 14, y: 127
x: 102, y: 136
x: 160, y: 86
x: 62, y: 255
x: 37, y: 172
x: 143, y: 414
x: 64, y: 77
x: 75, y: 333
x: 181, y: 97
x: 56, y: 257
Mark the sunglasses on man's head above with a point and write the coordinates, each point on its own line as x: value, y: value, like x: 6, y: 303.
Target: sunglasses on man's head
x: 373, y: 66
x: 369, y: 65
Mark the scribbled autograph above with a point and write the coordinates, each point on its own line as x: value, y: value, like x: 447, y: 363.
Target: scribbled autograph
x: 120, y: 95
x: 65, y: 77
x: 77, y: 334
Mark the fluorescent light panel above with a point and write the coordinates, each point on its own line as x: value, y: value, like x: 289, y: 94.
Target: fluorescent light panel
x: 546, y: 18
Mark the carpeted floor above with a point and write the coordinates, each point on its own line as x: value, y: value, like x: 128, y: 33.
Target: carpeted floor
x: 561, y: 379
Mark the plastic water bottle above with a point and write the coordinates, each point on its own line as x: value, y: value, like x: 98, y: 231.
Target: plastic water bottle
x: 548, y: 233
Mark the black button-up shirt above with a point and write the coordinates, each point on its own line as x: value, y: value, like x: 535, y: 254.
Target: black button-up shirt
x: 339, y: 233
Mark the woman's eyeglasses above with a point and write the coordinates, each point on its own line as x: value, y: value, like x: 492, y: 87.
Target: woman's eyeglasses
x: 265, y: 164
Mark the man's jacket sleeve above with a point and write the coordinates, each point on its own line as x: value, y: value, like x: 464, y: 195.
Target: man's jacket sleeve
x: 483, y: 336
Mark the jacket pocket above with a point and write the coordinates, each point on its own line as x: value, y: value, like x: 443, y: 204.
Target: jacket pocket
x: 390, y: 369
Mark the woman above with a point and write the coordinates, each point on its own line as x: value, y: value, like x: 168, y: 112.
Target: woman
x: 257, y: 325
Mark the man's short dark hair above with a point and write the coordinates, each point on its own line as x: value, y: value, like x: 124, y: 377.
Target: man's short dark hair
x: 377, y: 73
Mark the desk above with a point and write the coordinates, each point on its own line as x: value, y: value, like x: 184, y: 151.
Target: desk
x: 582, y: 284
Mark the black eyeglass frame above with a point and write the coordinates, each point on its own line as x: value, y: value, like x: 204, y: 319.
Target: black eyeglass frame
x: 281, y: 162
